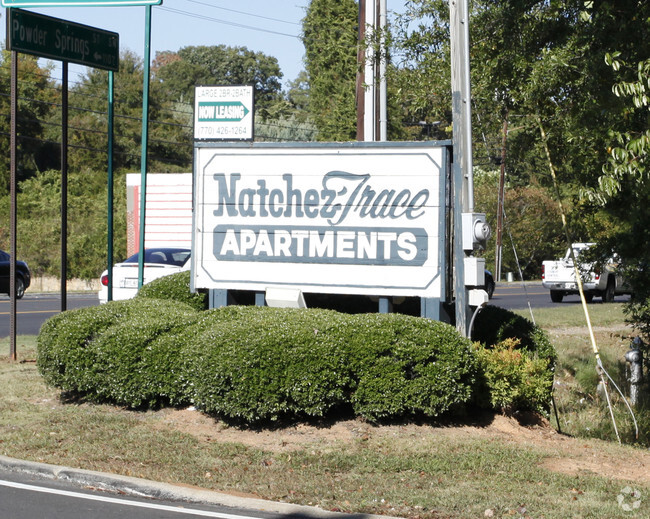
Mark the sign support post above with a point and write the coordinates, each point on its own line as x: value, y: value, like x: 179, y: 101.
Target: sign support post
x: 12, y: 263
x: 109, y: 222
x: 145, y: 141
x: 462, y: 139
x: 64, y: 185
x: 34, y: 33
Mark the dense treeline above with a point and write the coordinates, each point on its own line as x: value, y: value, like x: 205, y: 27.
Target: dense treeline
x: 280, y: 116
x: 538, y: 67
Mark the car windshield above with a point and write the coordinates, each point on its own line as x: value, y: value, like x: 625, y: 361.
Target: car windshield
x: 176, y: 257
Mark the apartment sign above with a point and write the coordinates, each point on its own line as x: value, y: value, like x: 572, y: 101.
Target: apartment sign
x: 355, y: 219
x: 223, y: 113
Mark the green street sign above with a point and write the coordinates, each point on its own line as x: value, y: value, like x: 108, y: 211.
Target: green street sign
x: 57, y: 39
x: 223, y: 111
x: 76, y: 3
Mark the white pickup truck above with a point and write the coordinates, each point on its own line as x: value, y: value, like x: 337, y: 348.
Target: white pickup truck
x: 559, y: 277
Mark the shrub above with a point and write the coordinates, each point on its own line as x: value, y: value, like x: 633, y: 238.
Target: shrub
x: 259, y: 364
x: 63, y: 342
x: 254, y: 364
x: 408, y: 366
x: 108, y: 353
x: 175, y: 287
x: 512, y: 380
x: 494, y: 325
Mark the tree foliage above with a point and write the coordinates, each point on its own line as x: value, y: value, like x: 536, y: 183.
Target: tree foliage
x: 178, y: 72
x: 36, y: 98
x: 330, y: 35
x: 537, y: 65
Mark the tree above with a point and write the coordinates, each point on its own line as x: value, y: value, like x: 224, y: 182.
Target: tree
x: 539, y: 65
x: 170, y: 145
x: 179, y: 72
x: 624, y: 187
x: 36, y: 100
x: 532, y: 223
x: 330, y: 35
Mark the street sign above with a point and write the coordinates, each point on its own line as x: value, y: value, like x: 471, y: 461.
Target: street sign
x: 76, y: 3
x: 223, y: 113
x: 57, y: 39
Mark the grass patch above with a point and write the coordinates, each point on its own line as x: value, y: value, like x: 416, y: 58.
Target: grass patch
x: 581, y: 404
x: 567, y: 315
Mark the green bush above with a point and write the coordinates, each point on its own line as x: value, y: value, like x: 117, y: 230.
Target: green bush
x: 256, y: 364
x: 512, y: 380
x: 111, y: 352
x: 408, y: 366
x: 517, y: 362
x: 494, y: 325
x: 175, y: 287
x: 271, y: 363
x: 63, y: 353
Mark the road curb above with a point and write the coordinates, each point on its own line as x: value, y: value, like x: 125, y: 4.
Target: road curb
x: 156, y: 490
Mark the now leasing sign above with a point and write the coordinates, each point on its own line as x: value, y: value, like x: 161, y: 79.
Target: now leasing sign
x: 355, y: 219
x: 223, y: 113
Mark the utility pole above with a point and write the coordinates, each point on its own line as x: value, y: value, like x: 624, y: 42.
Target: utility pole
x: 501, y: 201
x: 371, y: 80
x: 462, y: 177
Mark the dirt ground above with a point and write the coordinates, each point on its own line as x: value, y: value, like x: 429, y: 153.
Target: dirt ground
x: 566, y: 454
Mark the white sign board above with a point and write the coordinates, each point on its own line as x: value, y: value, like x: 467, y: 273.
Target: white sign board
x: 331, y: 219
x: 223, y: 113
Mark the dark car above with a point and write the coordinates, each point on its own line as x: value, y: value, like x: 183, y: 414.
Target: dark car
x: 489, y: 284
x: 23, y: 276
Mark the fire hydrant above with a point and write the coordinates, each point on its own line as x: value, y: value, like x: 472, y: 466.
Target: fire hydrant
x: 635, y: 357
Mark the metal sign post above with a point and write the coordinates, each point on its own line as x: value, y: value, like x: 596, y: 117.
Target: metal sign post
x: 45, y: 36
x: 145, y: 142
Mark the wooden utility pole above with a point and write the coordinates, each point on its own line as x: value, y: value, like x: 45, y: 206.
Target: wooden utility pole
x: 371, y: 78
x: 501, y: 201
x: 462, y: 176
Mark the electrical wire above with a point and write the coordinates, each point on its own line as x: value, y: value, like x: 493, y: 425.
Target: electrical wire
x: 226, y: 22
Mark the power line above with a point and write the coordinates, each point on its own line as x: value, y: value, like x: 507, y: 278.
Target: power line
x: 226, y: 22
x: 243, y: 12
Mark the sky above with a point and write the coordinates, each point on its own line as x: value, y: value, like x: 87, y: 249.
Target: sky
x: 260, y: 25
x: 272, y: 27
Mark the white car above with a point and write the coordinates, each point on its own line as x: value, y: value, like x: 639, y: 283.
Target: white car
x: 158, y: 262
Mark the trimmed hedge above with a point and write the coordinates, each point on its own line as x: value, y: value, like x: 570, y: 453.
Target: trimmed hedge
x: 109, y: 352
x: 175, y: 287
x: 254, y: 364
x: 408, y: 366
x: 271, y: 363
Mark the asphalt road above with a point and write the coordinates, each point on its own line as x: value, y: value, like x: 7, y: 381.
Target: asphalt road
x: 517, y: 296
x: 26, y: 495
x: 34, y: 309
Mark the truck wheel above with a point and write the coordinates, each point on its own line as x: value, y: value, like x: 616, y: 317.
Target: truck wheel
x: 556, y: 296
x: 608, y: 294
